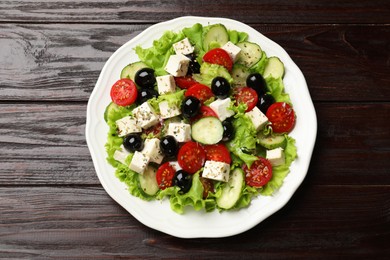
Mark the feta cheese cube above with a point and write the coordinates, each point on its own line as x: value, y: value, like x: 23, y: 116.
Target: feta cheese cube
x: 139, y: 162
x: 152, y: 150
x: 121, y: 154
x: 181, y: 131
x: 221, y: 108
x: 127, y: 125
x: 276, y: 156
x: 183, y: 47
x: 258, y: 119
x: 177, y: 65
x: 218, y: 171
x: 166, y: 84
x: 232, y: 49
x: 145, y: 115
x: 168, y: 111
x: 175, y: 165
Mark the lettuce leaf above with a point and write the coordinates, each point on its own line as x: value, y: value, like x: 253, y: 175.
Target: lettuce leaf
x: 209, y: 71
x: 236, y: 37
x: 174, y: 99
x: 276, y: 89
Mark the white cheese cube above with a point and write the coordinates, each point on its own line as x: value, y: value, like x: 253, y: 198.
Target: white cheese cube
x: 166, y: 84
x: 221, y: 108
x: 139, y: 162
x: 218, y: 171
x: 175, y: 165
x: 177, y: 65
x: 127, y: 125
x: 232, y: 49
x: 183, y: 47
x: 181, y: 131
x: 168, y: 111
x: 257, y: 117
x: 276, y: 156
x: 152, y: 150
x: 121, y: 154
x: 145, y: 115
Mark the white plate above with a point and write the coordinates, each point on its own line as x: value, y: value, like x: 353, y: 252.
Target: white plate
x: 192, y: 224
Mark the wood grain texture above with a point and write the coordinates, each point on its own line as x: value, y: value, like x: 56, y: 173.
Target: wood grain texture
x: 250, y: 11
x: 45, y: 144
x: 63, y: 61
x: 61, y: 222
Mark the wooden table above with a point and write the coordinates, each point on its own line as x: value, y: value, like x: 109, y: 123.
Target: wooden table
x: 51, y: 202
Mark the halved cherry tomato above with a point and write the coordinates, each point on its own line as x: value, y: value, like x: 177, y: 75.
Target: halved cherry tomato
x: 282, y: 117
x: 217, y: 152
x: 200, y: 91
x: 204, y: 111
x: 191, y: 157
x: 185, y: 82
x: 259, y: 173
x: 124, y: 92
x: 246, y: 95
x: 208, y: 186
x: 219, y: 56
x: 164, y: 175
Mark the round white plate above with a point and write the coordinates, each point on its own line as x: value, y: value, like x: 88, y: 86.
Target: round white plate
x: 192, y: 224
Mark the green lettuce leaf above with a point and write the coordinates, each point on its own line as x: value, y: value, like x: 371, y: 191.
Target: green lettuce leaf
x: 195, y: 36
x: 276, y: 88
x: 236, y: 37
x: 209, y: 71
x: 174, y: 100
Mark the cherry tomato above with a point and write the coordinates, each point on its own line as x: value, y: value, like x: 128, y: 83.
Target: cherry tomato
x: 219, y: 56
x: 246, y: 95
x: 282, y: 117
x: 164, y: 175
x: 124, y: 92
x: 204, y: 111
x: 185, y: 82
x: 191, y: 157
x: 217, y: 152
x: 208, y: 186
x: 200, y: 91
x: 259, y: 173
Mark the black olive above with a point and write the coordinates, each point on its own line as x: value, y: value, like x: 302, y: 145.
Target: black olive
x: 169, y: 145
x: 190, y: 107
x: 257, y: 82
x: 265, y: 101
x: 194, y: 66
x: 145, y: 94
x: 133, y: 142
x: 145, y: 78
x: 182, y: 180
x: 228, y: 130
x: 220, y: 87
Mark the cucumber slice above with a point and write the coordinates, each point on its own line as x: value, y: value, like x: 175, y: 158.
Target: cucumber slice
x: 272, y: 141
x: 274, y: 68
x: 231, y: 190
x: 108, y: 110
x: 217, y: 34
x: 239, y: 74
x: 207, y: 130
x: 250, y: 53
x: 148, y: 181
x: 130, y: 70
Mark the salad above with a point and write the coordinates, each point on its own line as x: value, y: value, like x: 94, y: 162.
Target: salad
x: 201, y: 119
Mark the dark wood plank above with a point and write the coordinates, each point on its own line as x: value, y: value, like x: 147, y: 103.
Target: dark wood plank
x: 250, y: 11
x: 71, y: 222
x: 45, y: 144
x: 63, y: 61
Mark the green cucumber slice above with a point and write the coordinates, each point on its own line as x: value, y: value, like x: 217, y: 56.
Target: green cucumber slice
x: 231, y: 190
x: 148, y: 181
x: 250, y: 54
x: 274, y: 68
x: 216, y: 36
x: 272, y: 141
x: 112, y: 106
x: 130, y: 70
x: 239, y: 74
x: 207, y: 130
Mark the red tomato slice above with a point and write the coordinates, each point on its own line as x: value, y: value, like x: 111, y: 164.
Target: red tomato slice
x: 259, y: 173
x: 191, y: 157
x: 200, y: 91
x: 246, y: 95
x: 204, y: 111
x: 219, y: 56
x: 164, y: 175
x: 124, y: 92
x: 208, y: 186
x: 185, y: 82
x: 217, y: 152
x: 282, y: 117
